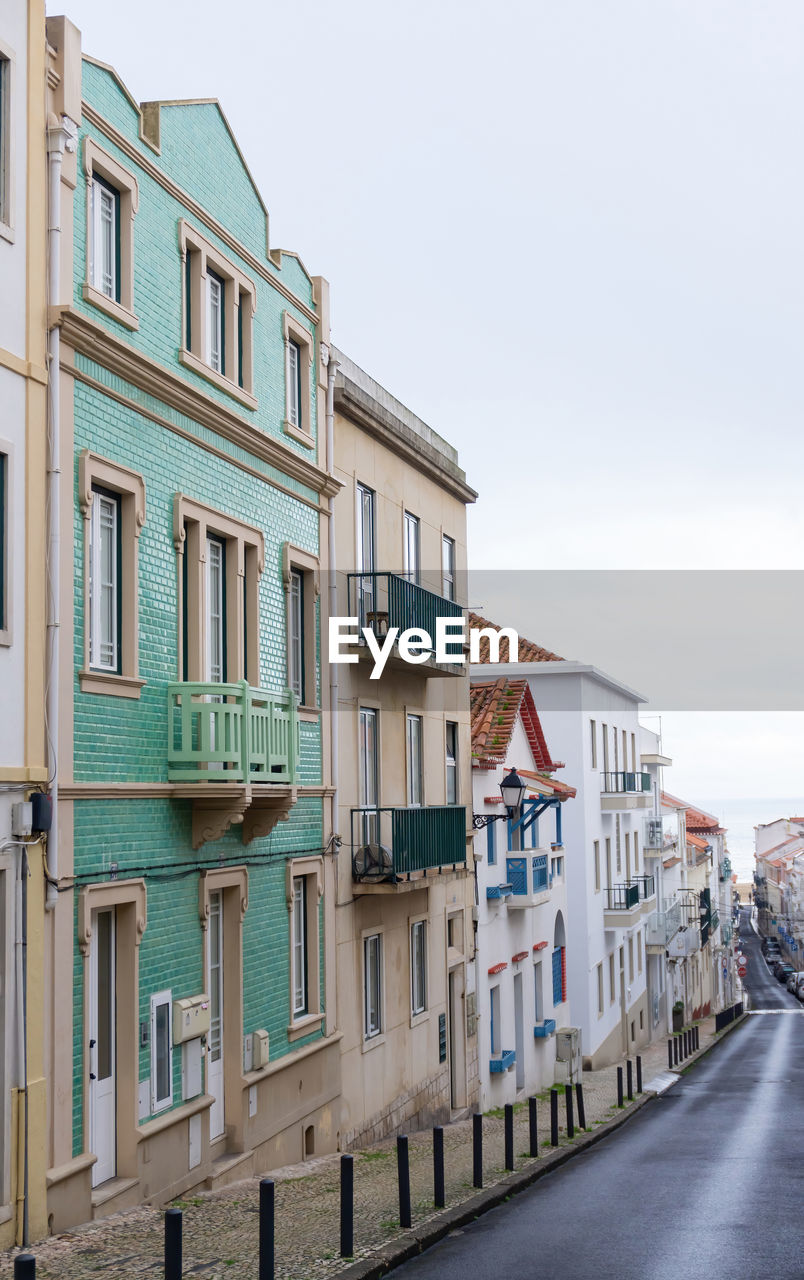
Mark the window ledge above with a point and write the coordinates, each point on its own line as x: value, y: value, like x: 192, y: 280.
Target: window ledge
x: 191, y: 361
x: 5, y: 637
x: 417, y: 1019
x: 373, y: 1043
x: 309, y: 714
x: 303, y: 1026
x: 296, y: 433
x: 108, y: 682
x: 114, y: 309
x: 7, y: 232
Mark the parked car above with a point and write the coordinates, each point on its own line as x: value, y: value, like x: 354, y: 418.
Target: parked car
x: 769, y: 944
x: 798, y: 990
x: 783, y: 971
x: 792, y: 981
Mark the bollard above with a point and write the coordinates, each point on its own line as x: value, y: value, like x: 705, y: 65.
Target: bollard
x: 477, y: 1149
x: 25, y: 1267
x: 439, y: 1196
x: 403, y: 1175
x: 554, y: 1117
x: 629, y: 1078
x: 533, y: 1132
x: 675, y: 1051
x: 266, y: 1229
x: 509, y: 1136
x: 670, y: 1054
x: 173, y: 1267
x: 685, y: 1049
x: 570, y: 1116
x: 639, y: 1074
x: 619, y: 1086
x: 697, y: 1038
x: 347, y: 1205
x: 579, y: 1100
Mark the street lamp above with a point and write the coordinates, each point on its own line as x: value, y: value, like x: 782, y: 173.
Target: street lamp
x: 512, y: 791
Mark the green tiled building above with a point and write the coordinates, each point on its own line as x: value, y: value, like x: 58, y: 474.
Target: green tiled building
x: 189, y: 1039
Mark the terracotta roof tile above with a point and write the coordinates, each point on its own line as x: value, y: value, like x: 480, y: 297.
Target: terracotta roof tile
x: 494, y: 708
x: 528, y: 651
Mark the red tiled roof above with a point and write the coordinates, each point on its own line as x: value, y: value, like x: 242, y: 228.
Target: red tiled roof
x: 494, y: 708
x: 774, y: 848
x: 697, y: 842
x: 696, y: 819
x: 528, y: 651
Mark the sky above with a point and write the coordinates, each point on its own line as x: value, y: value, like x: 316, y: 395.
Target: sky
x: 567, y: 234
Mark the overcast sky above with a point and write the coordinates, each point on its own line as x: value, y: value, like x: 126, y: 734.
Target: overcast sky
x: 566, y: 233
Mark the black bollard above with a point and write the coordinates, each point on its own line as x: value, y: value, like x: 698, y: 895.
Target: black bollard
x: 347, y: 1205
x: 554, y: 1117
x: 439, y: 1196
x: 509, y: 1136
x: 670, y: 1054
x: 579, y: 1100
x: 266, y: 1229
x: 173, y: 1267
x: 675, y: 1051
x: 684, y: 1049
x: 619, y: 1086
x: 697, y: 1038
x: 25, y: 1267
x: 570, y: 1116
x: 403, y: 1175
x: 477, y: 1150
x: 639, y: 1074
x: 629, y: 1079
x: 533, y: 1130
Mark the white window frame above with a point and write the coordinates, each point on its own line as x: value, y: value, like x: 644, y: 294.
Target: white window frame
x: 304, y: 1021
x: 104, y: 240
x: 412, y: 547
x: 299, y: 948
x: 294, y: 408
x: 296, y: 664
x: 418, y: 967
x: 161, y: 1104
x: 103, y: 171
x: 447, y: 567
x: 215, y: 327
x: 97, y: 640
x: 451, y: 762
x: 7, y: 121
x: 238, y: 305
x: 373, y: 942
x: 414, y: 768
x: 299, y: 402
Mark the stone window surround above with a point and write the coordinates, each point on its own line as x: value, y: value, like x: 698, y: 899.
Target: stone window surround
x: 420, y: 714
x: 374, y: 1041
x: 312, y: 869
x: 98, y: 163
x: 7, y: 55
x: 236, y: 284
x: 130, y: 487
x: 292, y: 329
x: 129, y: 900
x: 232, y: 884
x: 416, y: 1018
x: 245, y: 561
x: 309, y: 567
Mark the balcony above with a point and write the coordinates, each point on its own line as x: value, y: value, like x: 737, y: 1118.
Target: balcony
x: 620, y: 906
x: 624, y: 790
x: 232, y: 750
x: 725, y: 869
x: 381, y: 601
x: 529, y: 877
x: 661, y: 926
x: 647, y: 892
x: 543, y: 1030
x: 402, y: 847
x: 684, y: 943
x: 505, y: 1062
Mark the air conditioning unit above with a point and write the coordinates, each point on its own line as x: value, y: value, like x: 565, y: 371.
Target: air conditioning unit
x: 372, y: 862
x: 569, y: 1063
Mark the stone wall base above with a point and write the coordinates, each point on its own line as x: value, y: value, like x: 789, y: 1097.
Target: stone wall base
x: 421, y: 1107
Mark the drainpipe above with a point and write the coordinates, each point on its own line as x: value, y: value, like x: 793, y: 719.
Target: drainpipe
x: 21, y: 1029
x: 61, y: 137
x: 332, y: 367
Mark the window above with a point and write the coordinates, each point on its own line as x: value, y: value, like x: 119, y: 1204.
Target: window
x: 639, y: 952
x: 604, y: 733
x: 218, y: 306
x: 494, y: 1022
x: 609, y: 881
x: 368, y: 772
x: 222, y: 559
x: 300, y: 578
x: 112, y: 501
x: 296, y: 646
x: 630, y: 959
x: 364, y: 550
x: 112, y: 199
x: 372, y: 985
x: 538, y: 996
x: 299, y: 946
x: 628, y: 855
x: 636, y: 853
x: 4, y: 550
x: 6, y: 69
x: 414, y: 760
x: 597, y: 865
x: 612, y: 980
x: 452, y: 762
x: 633, y: 753
x: 491, y: 846
x: 161, y: 1052
x: 558, y: 976
x: 411, y: 549
x: 448, y: 567
x: 600, y: 989
x: 299, y: 359
x: 593, y: 736
x: 418, y: 967
x: 105, y: 240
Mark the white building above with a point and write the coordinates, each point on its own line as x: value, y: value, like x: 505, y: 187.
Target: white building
x: 521, y: 931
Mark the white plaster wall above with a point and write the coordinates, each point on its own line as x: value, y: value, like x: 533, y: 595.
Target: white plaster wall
x: 13, y: 38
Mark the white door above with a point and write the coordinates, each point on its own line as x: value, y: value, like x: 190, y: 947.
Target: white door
x: 215, y: 1039
x: 102, y: 1037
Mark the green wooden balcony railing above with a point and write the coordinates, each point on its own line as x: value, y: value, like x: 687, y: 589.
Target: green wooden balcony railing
x: 231, y: 733
x: 388, y: 844
x: 384, y: 600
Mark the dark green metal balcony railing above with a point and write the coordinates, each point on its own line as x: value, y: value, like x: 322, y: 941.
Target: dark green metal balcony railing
x: 388, y: 844
x: 231, y: 733
x: 646, y: 885
x: 622, y: 897
x: 384, y: 600
x: 623, y: 783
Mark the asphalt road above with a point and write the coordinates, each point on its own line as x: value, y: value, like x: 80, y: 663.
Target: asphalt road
x: 763, y: 988
x: 704, y: 1181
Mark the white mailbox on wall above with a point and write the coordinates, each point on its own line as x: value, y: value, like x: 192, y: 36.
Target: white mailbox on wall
x: 190, y: 1018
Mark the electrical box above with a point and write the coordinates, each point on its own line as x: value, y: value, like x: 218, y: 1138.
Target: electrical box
x: 259, y: 1051
x: 21, y: 819
x: 190, y: 1018
x: 191, y: 1078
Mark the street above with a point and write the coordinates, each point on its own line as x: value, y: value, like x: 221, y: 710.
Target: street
x: 702, y: 1181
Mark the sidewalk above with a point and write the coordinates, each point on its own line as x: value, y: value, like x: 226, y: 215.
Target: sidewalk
x: 221, y: 1227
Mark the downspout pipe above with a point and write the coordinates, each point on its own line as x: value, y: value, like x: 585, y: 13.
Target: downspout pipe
x: 61, y: 137
x: 332, y: 367
x: 21, y: 1028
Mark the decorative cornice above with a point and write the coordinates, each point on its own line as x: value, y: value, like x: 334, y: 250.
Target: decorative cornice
x: 178, y: 790
x: 110, y: 893
x: 95, y: 342
x: 93, y: 117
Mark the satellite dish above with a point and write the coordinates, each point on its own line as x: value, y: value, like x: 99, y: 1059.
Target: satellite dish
x: 372, y: 862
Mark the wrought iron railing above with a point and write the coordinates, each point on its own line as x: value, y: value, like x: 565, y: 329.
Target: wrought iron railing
x: 621, y: 897
x: 647, y: 887
x: 231, y: 733
x: 388, y: 843
x: 384, y: 600
x: 623, y: 783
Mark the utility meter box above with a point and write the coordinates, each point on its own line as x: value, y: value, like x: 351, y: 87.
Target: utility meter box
x: 259, y: 1056
x: 190, y: 1018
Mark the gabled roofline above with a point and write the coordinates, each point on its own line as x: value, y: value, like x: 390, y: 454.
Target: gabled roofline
x: 566, y: 667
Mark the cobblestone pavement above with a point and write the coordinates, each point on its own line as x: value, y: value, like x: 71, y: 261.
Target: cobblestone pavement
x: 221, y: 1227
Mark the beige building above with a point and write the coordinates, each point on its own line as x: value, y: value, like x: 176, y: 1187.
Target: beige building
x: 404, y: 926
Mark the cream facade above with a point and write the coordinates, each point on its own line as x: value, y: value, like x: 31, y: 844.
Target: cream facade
x: 405, y: 888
